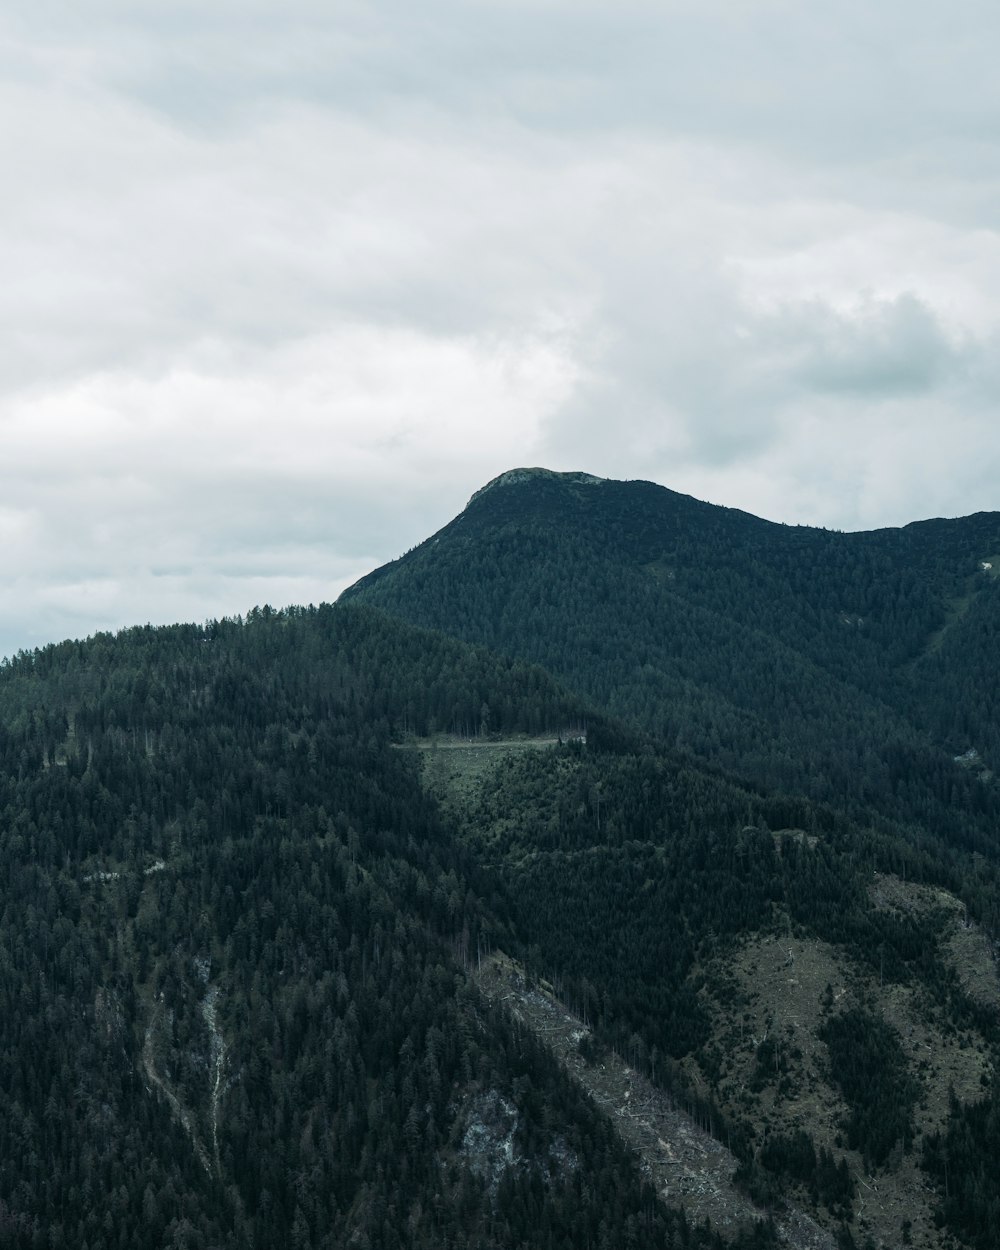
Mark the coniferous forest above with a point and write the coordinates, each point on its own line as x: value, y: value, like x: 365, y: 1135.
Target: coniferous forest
x: 723, y: 774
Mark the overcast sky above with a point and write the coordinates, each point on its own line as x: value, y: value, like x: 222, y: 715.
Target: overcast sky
x: 282, y: 285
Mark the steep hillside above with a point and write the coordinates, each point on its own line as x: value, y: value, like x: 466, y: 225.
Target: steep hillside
x: 234, y: 1006
x: 322, y: 929
x: 782, y: 974
x: 854, y: 668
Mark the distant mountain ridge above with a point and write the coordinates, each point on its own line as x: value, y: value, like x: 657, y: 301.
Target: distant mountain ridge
x: 735, y: 938
x: 829, y: 663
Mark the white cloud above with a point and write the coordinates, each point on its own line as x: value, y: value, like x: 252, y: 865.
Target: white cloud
x: 295, y: 472
x: 283, y: 287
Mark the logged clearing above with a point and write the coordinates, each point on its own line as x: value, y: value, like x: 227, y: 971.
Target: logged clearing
x: 455, y: 768
x: 765, y: 1065
x: 965, y: 946
x: 780, y: 991
x: 688, y: 1167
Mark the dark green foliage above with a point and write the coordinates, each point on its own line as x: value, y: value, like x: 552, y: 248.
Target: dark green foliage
x: 962, y: 1160
x: 867, y: 1062
x: 628, y: 870
x: 855, y: 669
x: 209, y: 828
x: 760, y: 1186
x: 235, y: 927
x: 794, y: 1155
x: 849, y: 667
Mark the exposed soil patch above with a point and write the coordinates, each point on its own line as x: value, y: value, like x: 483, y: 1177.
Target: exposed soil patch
x: 767, y: 1065
x: 455, y: 769
x: 964, y: 945
x: 181, y: 1113
x: 689, y: 1168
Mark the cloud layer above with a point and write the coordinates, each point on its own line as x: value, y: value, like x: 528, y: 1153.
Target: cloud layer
x: 282, y: 288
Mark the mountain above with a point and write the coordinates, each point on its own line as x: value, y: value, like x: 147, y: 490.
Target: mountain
x: 235, y: 1006
x: 321, y: 928
x: 854, y: 668
x: 276, y: 938
x: 801, y: 972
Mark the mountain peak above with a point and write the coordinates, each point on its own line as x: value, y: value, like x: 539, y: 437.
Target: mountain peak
x: 514, y: 476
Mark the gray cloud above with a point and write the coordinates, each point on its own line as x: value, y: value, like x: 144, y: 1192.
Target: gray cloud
x: 894, y: 347
x: 283, y: 288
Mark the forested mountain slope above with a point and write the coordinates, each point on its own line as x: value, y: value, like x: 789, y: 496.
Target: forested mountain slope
x: 233, y: 1001
x: 851, y: 667
x: 804, y: 986
x: 242, y: 926
x: 251, y: 873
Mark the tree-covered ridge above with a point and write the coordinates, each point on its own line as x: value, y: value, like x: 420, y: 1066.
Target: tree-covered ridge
x: 645, y: 889
x: 628, y: 865
x: 962, y: 1160
x: 868, y: 1064
x: 411, y: 679
x: 237, y: 921
x: 850, y: 667
x: 232, y: 1006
